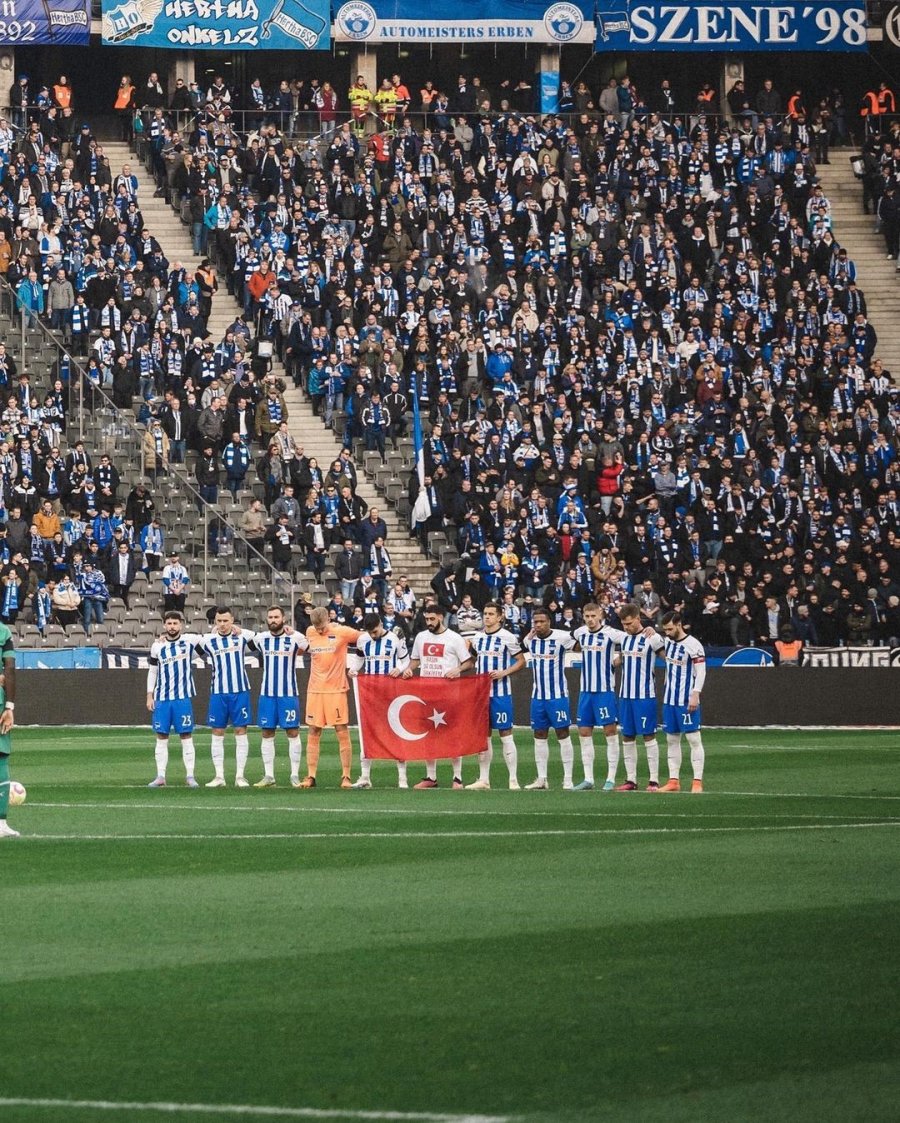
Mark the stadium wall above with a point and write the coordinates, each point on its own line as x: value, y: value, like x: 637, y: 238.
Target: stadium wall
x: 733, y: 696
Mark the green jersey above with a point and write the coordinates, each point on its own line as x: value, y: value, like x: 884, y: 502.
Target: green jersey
x: 6, y: 650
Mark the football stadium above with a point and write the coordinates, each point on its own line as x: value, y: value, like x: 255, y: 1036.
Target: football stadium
x: 449, y: 561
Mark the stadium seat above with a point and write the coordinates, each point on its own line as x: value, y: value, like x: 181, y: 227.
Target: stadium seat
x: 31, y: 637
x: 437, y: 541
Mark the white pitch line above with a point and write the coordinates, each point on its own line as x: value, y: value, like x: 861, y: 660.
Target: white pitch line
x: 251, y: 1110
x: 611, y: 805
x: 806, y: 795
x: 577, y: 832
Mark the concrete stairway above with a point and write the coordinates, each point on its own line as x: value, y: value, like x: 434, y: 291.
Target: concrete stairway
x: 876, y: 274
x: 307, y: 429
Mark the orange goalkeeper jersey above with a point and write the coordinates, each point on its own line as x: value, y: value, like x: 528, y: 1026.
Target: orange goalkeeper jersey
x: 328, y: 658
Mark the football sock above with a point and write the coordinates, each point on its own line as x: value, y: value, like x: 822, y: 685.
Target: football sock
x: 241, y: 751
x: 612, y: 756
x: 346, y: 751
x: 4, y: 785
x: 456, y: 764
x: 365, y: 768
x: 267, y: 749
x: 698, y: 756
x: 295, y: 749
x: 587, y: 756
x: 188, y: 755
x: 162, y: 755
x: 567, y: 752
x: 218, y: 756
x: 651, y: 748
x: 673, y: 752
x: 312, y: 752
x: 541, y: 756
x: 401, y: 772
x: 510, y: 754
x: 431, y: 770
x: 484, y: 764
x: 629, y: 751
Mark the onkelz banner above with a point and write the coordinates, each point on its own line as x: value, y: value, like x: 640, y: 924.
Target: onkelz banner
x: 464, y: 21
x: 277, y: 25
x: 768, y: 25
x: 61, y: 23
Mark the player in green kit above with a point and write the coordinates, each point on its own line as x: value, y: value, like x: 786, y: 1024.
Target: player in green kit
x: 8, y: 703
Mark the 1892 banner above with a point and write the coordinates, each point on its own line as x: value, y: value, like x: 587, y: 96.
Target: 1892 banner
x: 276, y: 25
x: 63, y: 23
x: 768, y: 25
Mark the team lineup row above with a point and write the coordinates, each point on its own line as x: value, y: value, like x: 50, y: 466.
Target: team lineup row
x: 336, y: 652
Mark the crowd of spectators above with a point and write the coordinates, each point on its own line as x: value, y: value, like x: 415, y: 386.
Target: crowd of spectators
x: 643, y: 359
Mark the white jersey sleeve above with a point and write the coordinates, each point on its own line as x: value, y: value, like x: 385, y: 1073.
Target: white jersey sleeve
x: 512, y: 642
x: 695, y: 649
x: 564, y: 638
x: 301, y: 644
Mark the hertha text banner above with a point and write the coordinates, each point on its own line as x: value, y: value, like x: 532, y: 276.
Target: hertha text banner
x: 422, y: 718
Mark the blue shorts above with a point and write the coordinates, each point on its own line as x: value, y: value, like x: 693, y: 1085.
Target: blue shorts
x: 229, y: 709
x: 550, y: 713
x: 679, y: 719
x: 637, y: 717
x: 278, y: 713
x: 177, y: 716
x: 502, y: 713
x: 597, y: 709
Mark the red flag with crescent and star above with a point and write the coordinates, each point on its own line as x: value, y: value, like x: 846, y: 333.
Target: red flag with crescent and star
x: 422, y: 718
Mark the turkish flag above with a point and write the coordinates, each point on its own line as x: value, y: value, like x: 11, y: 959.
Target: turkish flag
x: 422, y: 718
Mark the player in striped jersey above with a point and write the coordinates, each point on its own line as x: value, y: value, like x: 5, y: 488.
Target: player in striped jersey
x: 170, y: 688
x: 545, y: 649
x: 597, y: 696
x: 229, y: 696
x: 637, y: 695
x: 685, y: 677
x: 499, y: 654
x: 380, y: 652
x: 279, y: 698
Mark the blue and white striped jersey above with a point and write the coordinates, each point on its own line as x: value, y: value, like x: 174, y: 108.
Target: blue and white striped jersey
x: 547, y: 659
x: 638, y: 660
x: 682, y: 660
x: 496, y: 651
x: 226, y: 654
x: 598, y: 675
x: 383, y: 655
x: 280, y: 662
x: 174, y: 671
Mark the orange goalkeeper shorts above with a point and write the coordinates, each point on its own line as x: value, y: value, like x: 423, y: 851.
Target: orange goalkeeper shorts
x: 323, y: 710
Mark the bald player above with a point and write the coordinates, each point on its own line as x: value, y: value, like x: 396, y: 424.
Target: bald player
x: 326, y: 695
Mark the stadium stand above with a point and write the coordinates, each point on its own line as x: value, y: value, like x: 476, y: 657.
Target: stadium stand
x: 643, y: 361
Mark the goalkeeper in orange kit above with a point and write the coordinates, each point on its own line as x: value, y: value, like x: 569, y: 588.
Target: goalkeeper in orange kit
x: 326, y: 695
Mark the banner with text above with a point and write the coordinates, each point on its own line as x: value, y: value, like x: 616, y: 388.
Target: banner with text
x: 464, y: 21
x: 866, y: 657
x: 269, y: 25
x: 767, y: 25
x: 60, y: 23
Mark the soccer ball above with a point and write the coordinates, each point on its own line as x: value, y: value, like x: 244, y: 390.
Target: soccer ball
x: 17, y: 793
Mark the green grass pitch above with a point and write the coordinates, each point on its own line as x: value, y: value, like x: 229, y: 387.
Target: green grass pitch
x: 451, y: 957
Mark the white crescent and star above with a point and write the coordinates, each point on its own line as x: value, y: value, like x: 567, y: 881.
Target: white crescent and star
x: 394, y: 717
